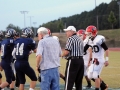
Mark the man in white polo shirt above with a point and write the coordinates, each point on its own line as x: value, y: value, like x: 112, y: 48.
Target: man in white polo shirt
x: 47, y: 58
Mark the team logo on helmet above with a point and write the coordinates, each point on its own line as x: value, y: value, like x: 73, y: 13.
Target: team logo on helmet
x: 83, y: 31
x: 93, y: 29
x: 10, y: 33
x: 27, y: 32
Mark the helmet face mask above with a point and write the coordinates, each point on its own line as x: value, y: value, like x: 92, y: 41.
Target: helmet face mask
x: 1, y: 35
x: 80, y: 35
x: 88, y: 34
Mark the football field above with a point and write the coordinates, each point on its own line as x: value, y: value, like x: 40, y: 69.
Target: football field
x: 110, y: 74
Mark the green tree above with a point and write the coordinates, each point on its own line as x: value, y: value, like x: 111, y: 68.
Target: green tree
x: 112, y: 18
x: 60, y: 25
x: 16, y: 28
x: 82, y: 20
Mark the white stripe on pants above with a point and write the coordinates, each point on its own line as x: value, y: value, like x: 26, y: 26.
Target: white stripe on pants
x: 67, y: 74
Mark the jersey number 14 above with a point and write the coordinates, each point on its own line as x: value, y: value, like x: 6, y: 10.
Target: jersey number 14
x: 19, y: 49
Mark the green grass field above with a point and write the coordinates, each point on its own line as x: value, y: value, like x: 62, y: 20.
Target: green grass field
x: 110, y: 74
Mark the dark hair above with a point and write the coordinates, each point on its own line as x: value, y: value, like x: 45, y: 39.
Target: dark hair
x: 17, y: 34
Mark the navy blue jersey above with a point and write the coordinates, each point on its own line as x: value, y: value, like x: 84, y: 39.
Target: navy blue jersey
x: 23, y: 47
x: 0, y: 43
x: 7, y: 46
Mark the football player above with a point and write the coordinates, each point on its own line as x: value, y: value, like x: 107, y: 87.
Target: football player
x: 99, y: 47
x: 7, y: 46
x: 17, y: 83
x: 87, y: 57
x: 22, y: 48
x: 1, y: 38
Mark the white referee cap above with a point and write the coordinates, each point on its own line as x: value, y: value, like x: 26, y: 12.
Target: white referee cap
x: 70, y: 28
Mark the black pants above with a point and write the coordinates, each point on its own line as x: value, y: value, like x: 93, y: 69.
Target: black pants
x: 74, y: 74
x: 17, y: 83
x: 23, y: 68
x: 8, y: 71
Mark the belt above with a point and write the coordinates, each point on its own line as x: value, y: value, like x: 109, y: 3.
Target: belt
x: 76, y: 57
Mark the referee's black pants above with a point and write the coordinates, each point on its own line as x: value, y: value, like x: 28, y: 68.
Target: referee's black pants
x: 74, y: 74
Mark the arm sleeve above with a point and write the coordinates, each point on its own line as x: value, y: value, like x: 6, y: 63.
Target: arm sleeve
x: 69, y: 44
x: 39, y: 48
x: 104, y: 46
x: 86, y: 47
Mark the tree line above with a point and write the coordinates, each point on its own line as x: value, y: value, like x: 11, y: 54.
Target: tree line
x: 108, y: 18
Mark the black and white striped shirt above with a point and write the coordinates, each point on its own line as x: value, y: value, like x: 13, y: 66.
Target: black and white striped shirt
x: 75, y: 46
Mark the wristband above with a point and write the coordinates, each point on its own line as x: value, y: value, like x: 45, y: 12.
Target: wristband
x: 107, y: 58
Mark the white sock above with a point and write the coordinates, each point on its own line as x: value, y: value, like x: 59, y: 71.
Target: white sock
x: 31, y: 89
x: 2, y: 89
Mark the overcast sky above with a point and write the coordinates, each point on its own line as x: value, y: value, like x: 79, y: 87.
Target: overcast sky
x: 41, y: 11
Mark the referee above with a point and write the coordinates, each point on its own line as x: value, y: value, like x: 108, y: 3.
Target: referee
x: 75, y: 64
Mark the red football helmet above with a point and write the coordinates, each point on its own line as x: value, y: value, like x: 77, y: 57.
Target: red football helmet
x: 81, y: 33
x: 91, y: 31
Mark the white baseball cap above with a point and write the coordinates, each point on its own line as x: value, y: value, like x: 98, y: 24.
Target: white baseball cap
x: 72, y: 28
x: 42, y: 29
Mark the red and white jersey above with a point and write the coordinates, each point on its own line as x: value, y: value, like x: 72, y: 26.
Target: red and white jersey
x: 97, y: 50
x: 87, y: 53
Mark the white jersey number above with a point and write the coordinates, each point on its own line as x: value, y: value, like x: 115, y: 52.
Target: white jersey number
x: 19, y: 50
